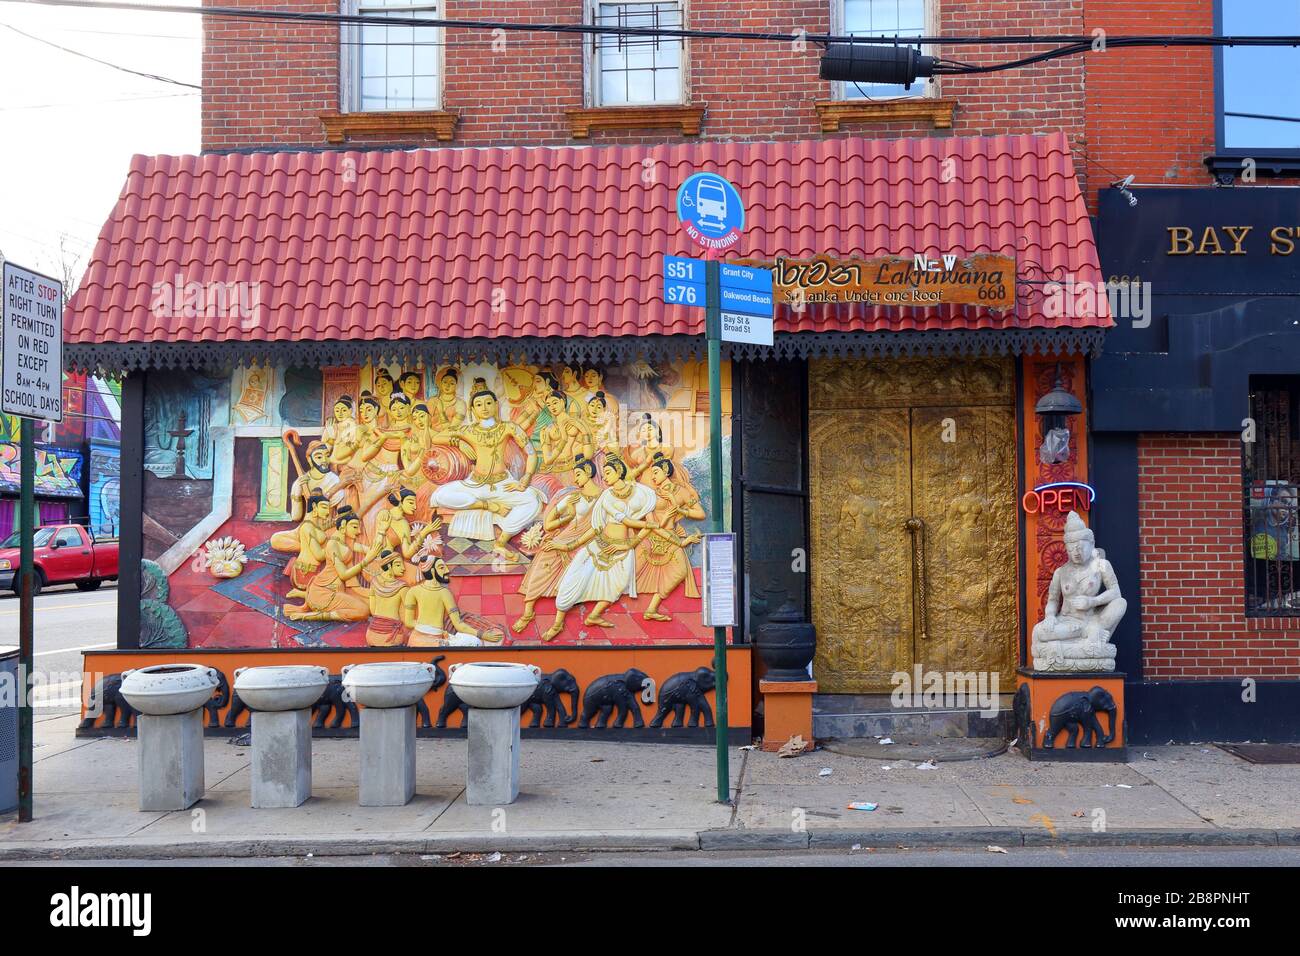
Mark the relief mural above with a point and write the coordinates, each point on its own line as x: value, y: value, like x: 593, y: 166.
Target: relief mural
x: 452, y: 506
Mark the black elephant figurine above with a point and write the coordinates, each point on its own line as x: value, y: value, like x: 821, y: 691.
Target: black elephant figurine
x: 220, y: 698
x: 616, y: 694
x: 421, y: 708
x: 1078, y: 709
x: 1024, y: 717
x: 548, y: 699
x: 686, y: 692
x: 237, y: 709
x: 106, y: 698
x: 333, y: 705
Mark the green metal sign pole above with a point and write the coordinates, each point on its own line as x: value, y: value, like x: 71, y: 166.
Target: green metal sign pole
x: 25, y: 620
x: 713, y: 326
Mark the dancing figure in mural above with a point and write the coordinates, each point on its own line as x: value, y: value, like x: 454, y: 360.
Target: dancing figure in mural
x: 429, y: 607
x: 332, y: 594
x: 567, y: 519
x: 489, y: 499
x: 662, y: 564
x: 564, y: 439
x: 1084, y: 606
x: 603, y: 568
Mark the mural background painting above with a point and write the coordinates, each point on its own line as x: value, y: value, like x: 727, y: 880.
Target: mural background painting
x: 448, y: 506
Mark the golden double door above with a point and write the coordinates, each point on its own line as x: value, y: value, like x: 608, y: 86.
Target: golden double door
x: 913, y: 530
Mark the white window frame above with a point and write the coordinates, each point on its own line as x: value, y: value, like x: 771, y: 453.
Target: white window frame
x: 927, y: 87
x: 350, y: 57
x: 591, y: 60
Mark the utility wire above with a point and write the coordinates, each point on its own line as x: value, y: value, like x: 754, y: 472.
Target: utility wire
x: 1070, y: 41
x: 94, y: 59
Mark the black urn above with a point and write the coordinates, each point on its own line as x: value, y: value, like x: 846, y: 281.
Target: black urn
x: 786, y: 643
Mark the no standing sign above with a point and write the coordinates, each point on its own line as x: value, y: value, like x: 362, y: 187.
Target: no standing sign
x: 32, y: 380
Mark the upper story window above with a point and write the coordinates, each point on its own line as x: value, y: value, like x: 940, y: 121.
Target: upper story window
x: 1272, y: 493
x: 880, y: 18
x: 632, y: 70
x: 389, y: 67
x: 1258, y: 96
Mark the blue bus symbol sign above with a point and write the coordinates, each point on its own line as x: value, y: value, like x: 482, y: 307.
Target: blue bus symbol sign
x: 710, y: 210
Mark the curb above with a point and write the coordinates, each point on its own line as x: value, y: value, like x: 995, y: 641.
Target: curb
x: 597, y: 841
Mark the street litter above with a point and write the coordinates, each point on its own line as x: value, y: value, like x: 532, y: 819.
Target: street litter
x: 861, y: 806
x: 992, y: 848
x: 1077, y: 813
x: 1124, y: 786
x: 747, y: 747
x: 856, y: 846
x: 1147, y: 755
x: 431, y: 856
x: 885, y: 766
x: 824, y: 772
x: 793, y: 747
x: 928, y: 765
x: 493, y: 858
x: 886, y: 740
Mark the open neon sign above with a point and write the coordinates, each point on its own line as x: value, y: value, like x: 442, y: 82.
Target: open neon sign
x: 1059, y: 496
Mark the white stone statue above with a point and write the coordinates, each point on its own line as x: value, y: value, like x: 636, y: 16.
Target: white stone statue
x: 1084, y: 606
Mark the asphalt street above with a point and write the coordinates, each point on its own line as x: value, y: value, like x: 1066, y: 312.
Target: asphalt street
x: 68, y: 622
x: 957, y: 857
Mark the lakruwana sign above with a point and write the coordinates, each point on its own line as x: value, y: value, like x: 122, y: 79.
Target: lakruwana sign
x: 982, y: 279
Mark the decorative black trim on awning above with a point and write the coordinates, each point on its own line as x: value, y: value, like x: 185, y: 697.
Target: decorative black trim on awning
x: 115, y: 359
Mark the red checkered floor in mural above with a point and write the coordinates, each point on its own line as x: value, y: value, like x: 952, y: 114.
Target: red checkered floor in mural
x: 244, y: 612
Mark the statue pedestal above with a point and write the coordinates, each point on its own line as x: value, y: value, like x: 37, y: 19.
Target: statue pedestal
x: 787, y: 710
x: 1074, y: 696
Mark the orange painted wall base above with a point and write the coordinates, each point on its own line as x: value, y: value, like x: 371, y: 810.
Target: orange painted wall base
x: 1044, y: 689
x: 787, y: 711
x: 585, y: 664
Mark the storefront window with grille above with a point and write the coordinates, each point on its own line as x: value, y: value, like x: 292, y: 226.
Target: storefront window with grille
x: 1272, y: 498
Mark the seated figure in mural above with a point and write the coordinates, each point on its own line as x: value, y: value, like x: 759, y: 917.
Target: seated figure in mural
x: 429, y: 611
x: 384, y: 627
x: 490, y: 505
x: 311, y: 545
x: 1083, y: 609
x: 567, y: 518
x: 662, y: 563
x: 340, y: 433
x: 564, y: 439
x: 319, y: 479
x: 603, y: 568
x: 332, y: 594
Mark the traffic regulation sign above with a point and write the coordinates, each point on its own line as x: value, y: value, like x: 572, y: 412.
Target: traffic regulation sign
x: 710, y: 211
x: 31, y: 382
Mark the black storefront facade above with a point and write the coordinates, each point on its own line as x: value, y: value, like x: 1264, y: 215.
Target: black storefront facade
x: 1196, y: 449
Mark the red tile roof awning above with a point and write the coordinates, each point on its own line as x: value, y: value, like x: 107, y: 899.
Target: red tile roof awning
x: 535, y: 243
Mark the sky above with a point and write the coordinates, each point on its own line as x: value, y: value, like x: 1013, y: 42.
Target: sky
x: 69, y: 127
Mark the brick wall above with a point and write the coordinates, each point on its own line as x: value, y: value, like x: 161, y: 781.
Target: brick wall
x: 265, y: 83
x: 1192, y: 567
x: 1150, y: 110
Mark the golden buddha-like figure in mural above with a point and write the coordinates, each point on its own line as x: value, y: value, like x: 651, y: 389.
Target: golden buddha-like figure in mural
x: 490, y: 505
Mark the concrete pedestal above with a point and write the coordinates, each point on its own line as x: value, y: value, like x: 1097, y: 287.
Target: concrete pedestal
x: 493, y: 773
x: 170, y: 750
x: 281, y: 758
x: 387, y: 756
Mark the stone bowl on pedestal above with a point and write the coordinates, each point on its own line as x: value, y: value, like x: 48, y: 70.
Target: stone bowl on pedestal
x: 162, y: 690
x: 387, y: 684
x: 492, y: 685
x: 281, y: 687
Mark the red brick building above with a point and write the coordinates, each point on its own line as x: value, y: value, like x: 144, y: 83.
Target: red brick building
x: 1195, y: 401
x: 1026, y: 141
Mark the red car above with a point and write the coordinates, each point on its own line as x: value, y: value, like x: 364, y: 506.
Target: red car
x: 64, y: 554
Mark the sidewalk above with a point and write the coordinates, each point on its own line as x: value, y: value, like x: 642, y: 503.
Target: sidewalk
x: 595, y: 795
